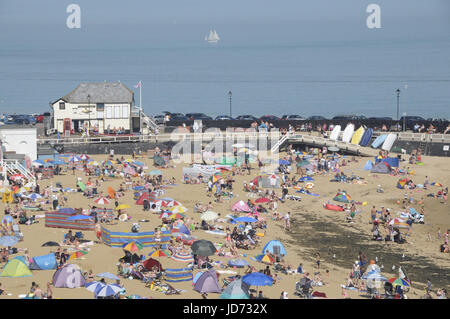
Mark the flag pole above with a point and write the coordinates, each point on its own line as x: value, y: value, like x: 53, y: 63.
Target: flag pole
x: 140, y: 107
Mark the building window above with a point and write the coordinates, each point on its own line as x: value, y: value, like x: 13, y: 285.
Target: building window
x: 62, y: 105
x: 100, y: 107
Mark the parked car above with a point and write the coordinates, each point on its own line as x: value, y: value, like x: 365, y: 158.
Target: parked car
x: 178, y: 118
x: 246, y: 118
x: 316, y: 118
x: 39, y: 118
x: 294, y: 117
x: 198, y: 116
x: 269, y: 118
x: 349, y: 117
x: 382, y: 118
x: 158, y: 119
x: 176, y: 114
x: 223, y: 117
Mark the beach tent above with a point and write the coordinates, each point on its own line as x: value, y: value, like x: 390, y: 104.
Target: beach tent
x: 381, y: 167
x: 150, y: 263
x: 158, y: 161
x: 178, y: 275
x: 44, y: 262
x: 240, y: 206
x: 275, y: 247
x: 267, y: 259
x: 269, y: 181
x: 236, y: 289
x: 368, y: 166
x: 16, y: 268
x: 342, y: 197
x: 402, y: 182
x: 207, y: 282
x: 69, y: 276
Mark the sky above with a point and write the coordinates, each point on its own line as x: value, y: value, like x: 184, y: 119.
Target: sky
x: 114, y: 25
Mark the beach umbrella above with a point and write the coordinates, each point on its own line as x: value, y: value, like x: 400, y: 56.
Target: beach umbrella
x: 108, y: 290
x: 17, y: 176
x: 203, y: 247
x: 399, y: 223
x: 178, y: 209
x: 79, y: 217
x: 155, y: 172
x: 58, y: 162
x: 245, y: 219
x: 284, y: 162
x: 262, y: 200
x: 183, y: 257
x: 157, y: 253
x: 75, y: 159
x: 94, y: 285
x: 34, y: 196
x: 102, y: 201
x: 238, y: 263
x: 172, y: 203
x: 84, y: 157
x: 38, y: 162
x: 94, y: 163
x: 133, y: 246
x: 122, y: 206
x: 209, y: 216
x: 238, y: 145
x: 399, y: 282
x: 165, y: 214
x: 138, y: 163
x: 8, y: 241
x: 257, y: 279
x: 177, y: 216
x: 108, y: 275
x: 77, y: 254
x: 50, y: 244
x: 236, y: 289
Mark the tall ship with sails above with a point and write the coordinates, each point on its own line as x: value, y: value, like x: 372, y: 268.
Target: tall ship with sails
x: 212, y: 37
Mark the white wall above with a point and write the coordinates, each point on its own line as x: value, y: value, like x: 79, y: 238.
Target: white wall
x: 115, y: 115
x: 20, y: 140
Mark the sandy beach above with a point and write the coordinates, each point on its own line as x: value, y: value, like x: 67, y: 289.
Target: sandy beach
x: 313, y: 229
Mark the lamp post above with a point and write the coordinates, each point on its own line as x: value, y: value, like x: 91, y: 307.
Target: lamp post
x: 230, y: 95
x: 398, y: 102
x: 89, y: 108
